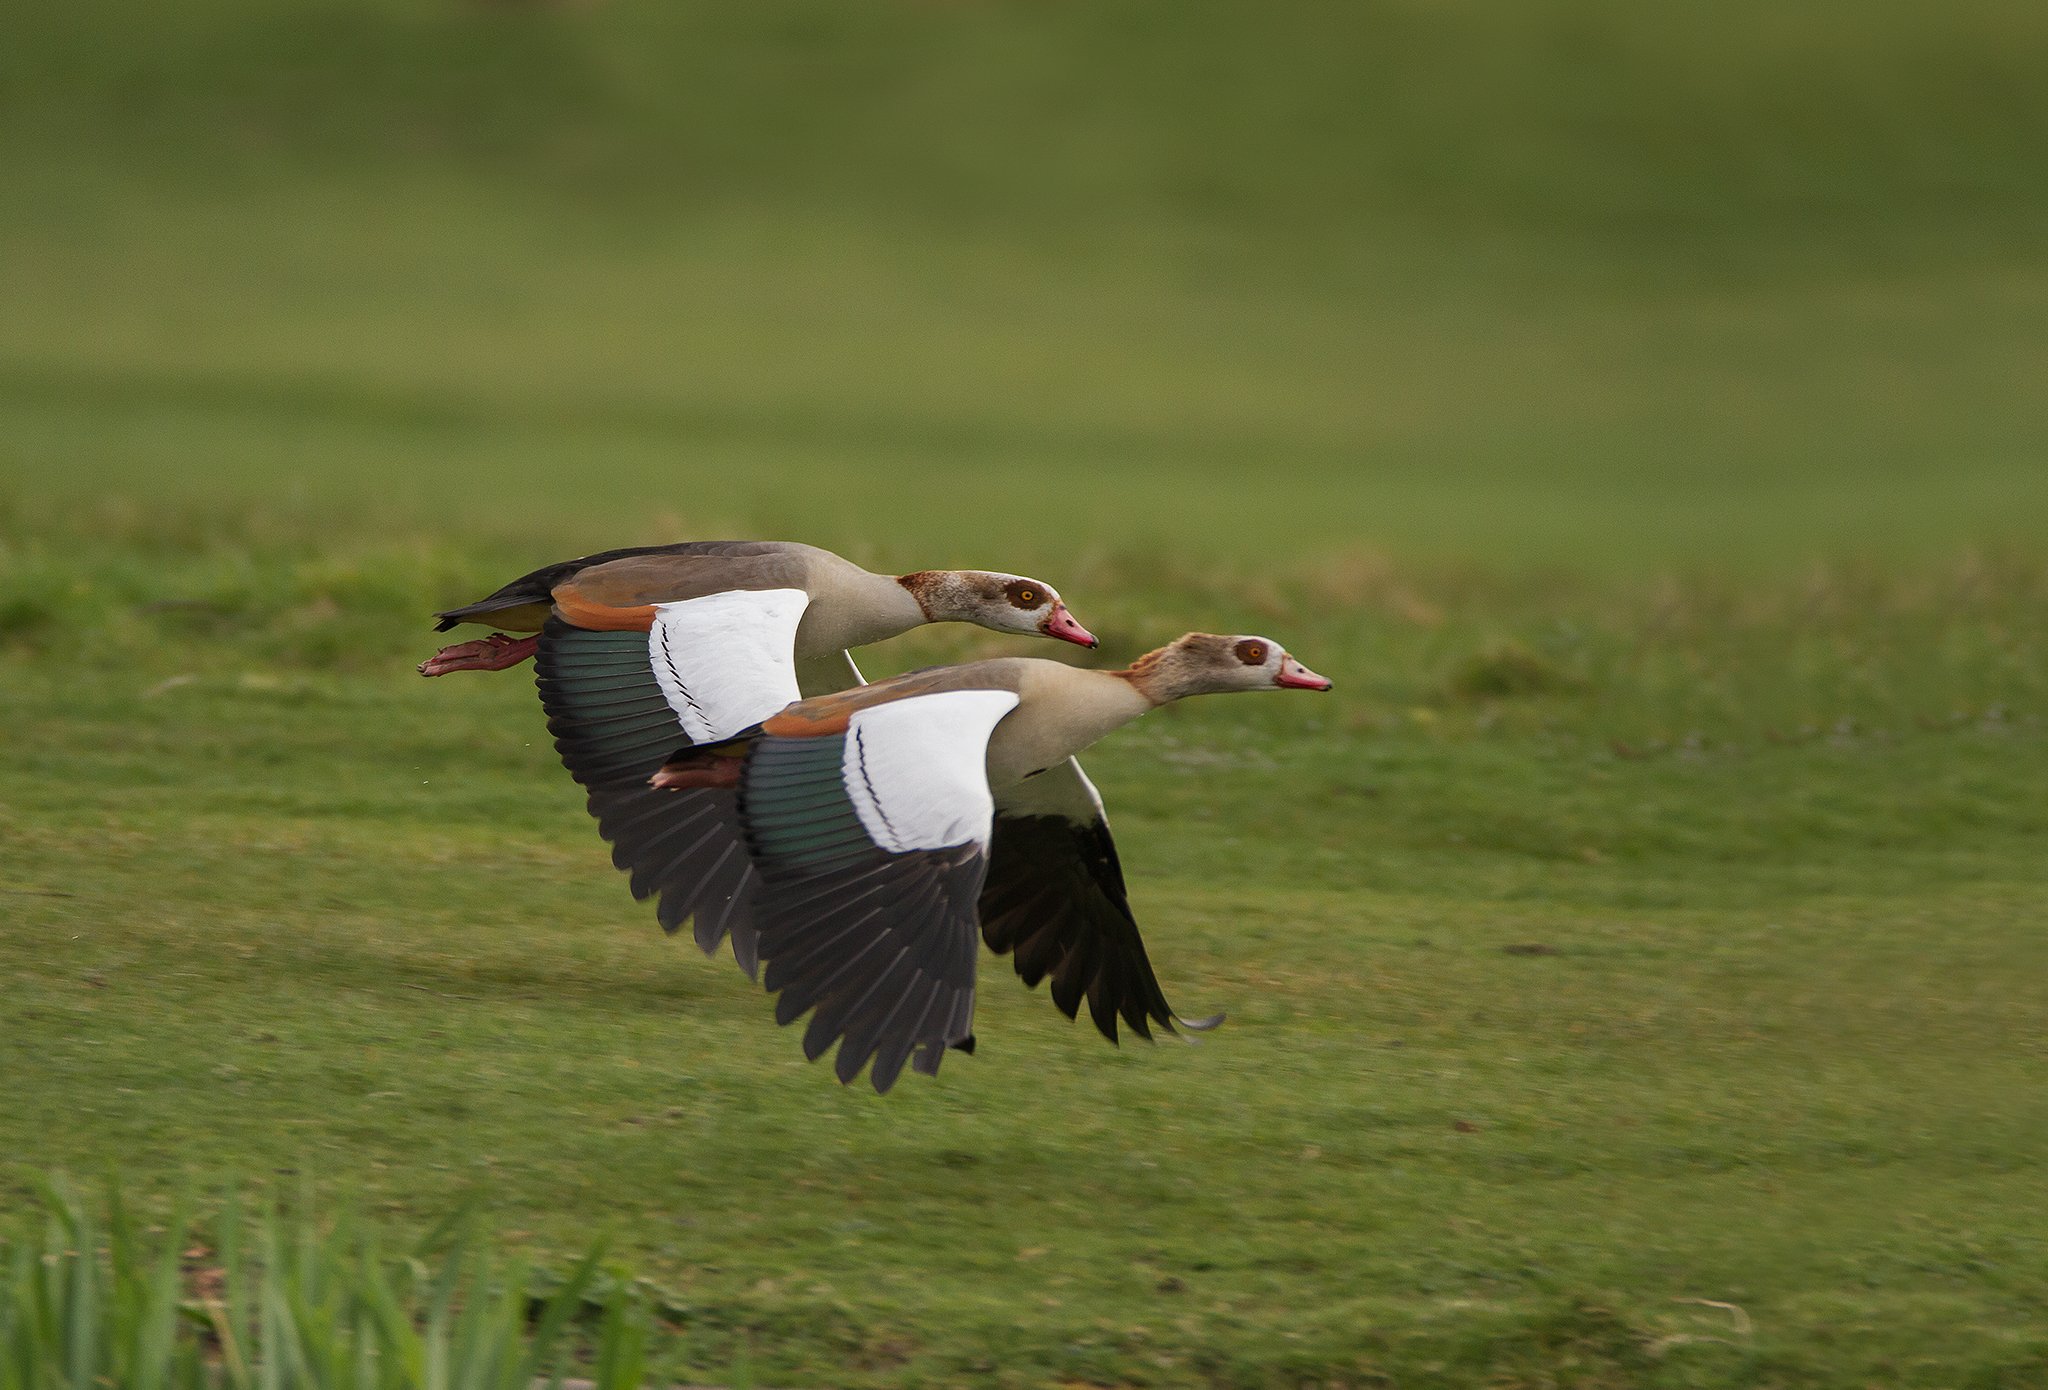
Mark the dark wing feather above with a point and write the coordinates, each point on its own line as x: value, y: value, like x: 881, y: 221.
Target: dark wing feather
x: 610, y: 720
x: 1055, y: 902
x: 684, y: 846
x: 878, y: 946
x: 614, y: 728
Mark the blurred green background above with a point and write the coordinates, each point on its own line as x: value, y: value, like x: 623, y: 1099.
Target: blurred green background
x: 1637, y: 408
x: 1568, y: 281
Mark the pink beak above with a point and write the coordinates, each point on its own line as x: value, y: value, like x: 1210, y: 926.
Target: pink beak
x: 1295, y: 676
x: 1060, y: 623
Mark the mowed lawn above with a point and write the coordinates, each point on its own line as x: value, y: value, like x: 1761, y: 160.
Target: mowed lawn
x: 1591, y: 951
x: 1635, y: 968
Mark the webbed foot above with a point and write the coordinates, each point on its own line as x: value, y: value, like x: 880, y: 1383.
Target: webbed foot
x: 492, y: 653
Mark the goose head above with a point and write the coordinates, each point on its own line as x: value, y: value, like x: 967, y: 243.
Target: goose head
x: 1002, y: 602
x: 1204, y: 663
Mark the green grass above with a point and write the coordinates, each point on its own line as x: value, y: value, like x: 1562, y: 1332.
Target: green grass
x: 1635, y: 410
x: 283, y: 1302
x: 1779, y: 847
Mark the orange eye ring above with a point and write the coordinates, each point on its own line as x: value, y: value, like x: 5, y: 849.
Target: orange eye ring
x: 1252, y: 653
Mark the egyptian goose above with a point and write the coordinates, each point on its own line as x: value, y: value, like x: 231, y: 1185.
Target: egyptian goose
x: 639, y: 653
x: 850, y: 606
x: 887, y: 823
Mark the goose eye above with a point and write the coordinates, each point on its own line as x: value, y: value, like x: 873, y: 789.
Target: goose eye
x: 1252, y: 653
x: 1025, y: 595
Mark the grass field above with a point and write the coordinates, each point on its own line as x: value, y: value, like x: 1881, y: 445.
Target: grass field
x: 1639, y: 416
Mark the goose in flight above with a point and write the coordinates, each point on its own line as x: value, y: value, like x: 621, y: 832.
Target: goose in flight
x: 640, y: 653
x: 896, y: 826
x: 849, y: 602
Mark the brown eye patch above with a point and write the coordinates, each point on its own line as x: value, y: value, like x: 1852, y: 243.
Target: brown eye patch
x: 1251, y: 653
x: 1023, y: 594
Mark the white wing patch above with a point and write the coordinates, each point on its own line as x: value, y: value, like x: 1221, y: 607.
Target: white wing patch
x: 916, y: 770
x: 727, y: 661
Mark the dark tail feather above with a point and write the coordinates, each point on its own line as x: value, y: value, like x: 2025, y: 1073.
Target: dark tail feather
x: 522, y: 592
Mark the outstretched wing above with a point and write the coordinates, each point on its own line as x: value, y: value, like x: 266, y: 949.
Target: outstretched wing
x: 620, y: 702
x: 1055, y: 901
x: 870, y: 832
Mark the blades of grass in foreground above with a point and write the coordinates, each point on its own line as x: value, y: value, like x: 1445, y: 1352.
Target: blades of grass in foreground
x: 283, y: 1303
x: 148, y: 1298
x: 555, y: 1316
x: 622, y: 1344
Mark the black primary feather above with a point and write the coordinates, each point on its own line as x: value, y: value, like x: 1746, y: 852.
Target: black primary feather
x: 1055, y: 901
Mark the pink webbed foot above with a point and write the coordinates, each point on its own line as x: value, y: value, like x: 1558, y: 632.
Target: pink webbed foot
x: 492, y: 653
